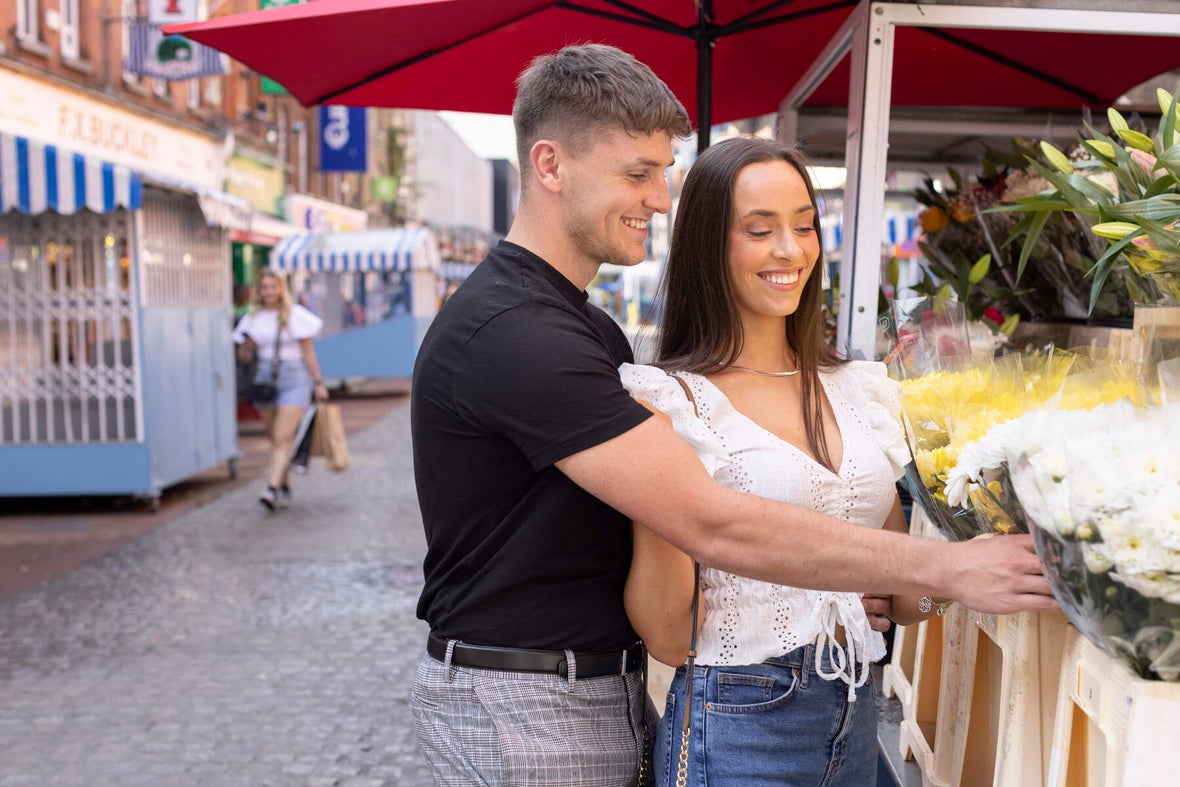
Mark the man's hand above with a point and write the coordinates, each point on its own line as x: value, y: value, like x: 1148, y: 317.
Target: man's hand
x: 878, y: 607
x: 998, y: 575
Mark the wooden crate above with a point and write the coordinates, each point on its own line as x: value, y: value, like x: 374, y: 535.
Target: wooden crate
x: 1012, y: 666
x: 919, y: 736
x: 1111, y: 729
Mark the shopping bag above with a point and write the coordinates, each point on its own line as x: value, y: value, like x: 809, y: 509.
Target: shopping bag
x: 301, y: 456
x: 330, y: 438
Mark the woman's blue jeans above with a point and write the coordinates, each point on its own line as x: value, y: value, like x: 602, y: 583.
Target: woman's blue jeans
x: 775, y: 723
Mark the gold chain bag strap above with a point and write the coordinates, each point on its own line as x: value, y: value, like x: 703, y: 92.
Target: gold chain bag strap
x: 690, y: 662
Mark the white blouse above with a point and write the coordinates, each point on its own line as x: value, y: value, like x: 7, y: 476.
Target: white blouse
x: 262, y: 324
x: 747, y: 621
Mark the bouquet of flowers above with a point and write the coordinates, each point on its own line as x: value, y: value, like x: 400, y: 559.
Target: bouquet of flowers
x: 1103, y: 487
x: 961, y: 225
x: 980, y: 480
x: 950, y: 397
x: 961, y: 412
x: 1126, y: 188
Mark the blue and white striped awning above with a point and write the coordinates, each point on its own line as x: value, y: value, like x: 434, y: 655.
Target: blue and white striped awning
x: 400, y: 249
x: 35, y: 177
x: 457, y: 271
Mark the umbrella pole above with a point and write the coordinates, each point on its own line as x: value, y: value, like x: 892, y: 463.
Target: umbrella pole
x: 704, y: 73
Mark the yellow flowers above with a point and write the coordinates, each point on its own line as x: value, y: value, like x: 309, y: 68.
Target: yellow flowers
x: 1056, y: 158
x: 947, y: 411
x: 1115, y: 230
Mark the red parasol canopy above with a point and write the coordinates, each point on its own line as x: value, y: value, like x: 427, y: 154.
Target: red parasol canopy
x: 743, y: 56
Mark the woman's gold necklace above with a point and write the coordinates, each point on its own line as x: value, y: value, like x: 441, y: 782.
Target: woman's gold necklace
x: 764, y: 374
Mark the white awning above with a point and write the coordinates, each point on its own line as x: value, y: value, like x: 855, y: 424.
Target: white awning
x: 400, y: 249
x: 35, y: 177
x: 457, y: 271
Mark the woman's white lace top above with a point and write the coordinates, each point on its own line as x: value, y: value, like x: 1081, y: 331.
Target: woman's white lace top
x: 747, y: 621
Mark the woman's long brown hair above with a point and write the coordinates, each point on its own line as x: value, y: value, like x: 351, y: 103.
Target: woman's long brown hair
x: 701, y: 330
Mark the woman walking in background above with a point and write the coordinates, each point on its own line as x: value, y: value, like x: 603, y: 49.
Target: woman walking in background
x: 279, y: 333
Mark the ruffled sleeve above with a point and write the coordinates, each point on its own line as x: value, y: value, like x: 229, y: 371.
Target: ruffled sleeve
x: 303, y: 324
x: 881, y: 398
x: 663, y: 392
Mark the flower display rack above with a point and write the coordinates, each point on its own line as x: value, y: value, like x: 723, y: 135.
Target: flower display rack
x: 1009, y: 698
x: 979, y: 693
x: 918, y: 734
x: 983, y: 697
x: 927, y: 657
x: 1110, y: 727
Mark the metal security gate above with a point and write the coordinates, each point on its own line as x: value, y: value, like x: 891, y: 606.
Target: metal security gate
x: 183, y: 258
x: 69, y: 355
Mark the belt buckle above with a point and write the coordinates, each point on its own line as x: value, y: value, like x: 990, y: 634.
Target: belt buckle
x: 623, y: 664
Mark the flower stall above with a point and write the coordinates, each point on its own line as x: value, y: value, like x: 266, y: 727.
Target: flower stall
x: 1087, y: 696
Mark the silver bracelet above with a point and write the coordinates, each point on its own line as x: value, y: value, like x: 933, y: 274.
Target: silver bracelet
x: 926, y: 604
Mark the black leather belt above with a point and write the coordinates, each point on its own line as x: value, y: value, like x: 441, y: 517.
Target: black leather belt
x: 589, y: 665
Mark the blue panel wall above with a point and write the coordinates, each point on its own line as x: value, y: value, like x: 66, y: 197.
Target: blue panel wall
x: 188, y: 386
x: 384, y: 349
x: 84, y: 469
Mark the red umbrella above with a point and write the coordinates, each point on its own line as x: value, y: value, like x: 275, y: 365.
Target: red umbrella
x: 466, y: 54
x: 725, y: 59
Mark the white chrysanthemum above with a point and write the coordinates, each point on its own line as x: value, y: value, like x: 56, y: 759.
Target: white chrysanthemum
x: 1161, y: 512
x: 1096, y: 561
x: 1153, y: 585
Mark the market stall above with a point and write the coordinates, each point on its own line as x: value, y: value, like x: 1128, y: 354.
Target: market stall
x: 376, y: 290
x: 1078, y: 448
x: 962, y: 52
x: 115, y: 374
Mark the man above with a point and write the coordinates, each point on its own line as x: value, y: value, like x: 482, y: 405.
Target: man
x: 531, y: 461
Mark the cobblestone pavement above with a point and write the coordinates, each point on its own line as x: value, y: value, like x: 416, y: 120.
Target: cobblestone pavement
x: 230, y: 646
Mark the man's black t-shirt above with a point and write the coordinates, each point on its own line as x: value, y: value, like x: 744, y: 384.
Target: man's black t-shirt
x: 517, y: 372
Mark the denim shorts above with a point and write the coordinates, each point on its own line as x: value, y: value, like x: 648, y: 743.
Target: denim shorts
x: 775, y: 723
x: 294, y: 384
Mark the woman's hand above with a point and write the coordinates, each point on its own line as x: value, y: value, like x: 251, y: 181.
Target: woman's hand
x: 321, y: 392
x: 878, y: 608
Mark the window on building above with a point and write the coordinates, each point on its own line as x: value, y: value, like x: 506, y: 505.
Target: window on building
x: 130, y: 13
x: 212, y: 95
x: 70, y: 32
x: 28, y: 20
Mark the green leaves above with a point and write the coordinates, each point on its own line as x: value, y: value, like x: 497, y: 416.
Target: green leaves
x: 1126, y: 191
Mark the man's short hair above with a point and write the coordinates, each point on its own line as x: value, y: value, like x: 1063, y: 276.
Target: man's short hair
x: 570, y: 94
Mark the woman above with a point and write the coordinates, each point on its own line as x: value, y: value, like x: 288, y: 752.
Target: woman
x: 296, y: 375
x: 780, y: 690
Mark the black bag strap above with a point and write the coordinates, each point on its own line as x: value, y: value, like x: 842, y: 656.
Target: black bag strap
x: 274, y: 361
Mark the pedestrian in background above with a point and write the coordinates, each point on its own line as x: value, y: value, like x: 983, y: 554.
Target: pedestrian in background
x: 278, y: 334
x: 531, y: 460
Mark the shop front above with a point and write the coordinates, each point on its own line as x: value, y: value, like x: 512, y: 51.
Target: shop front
x: 116, y: 376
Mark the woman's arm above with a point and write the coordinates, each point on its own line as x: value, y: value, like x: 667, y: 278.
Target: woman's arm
x: 904, y: 609
x: 313, y: 367
x: 658, y: 596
